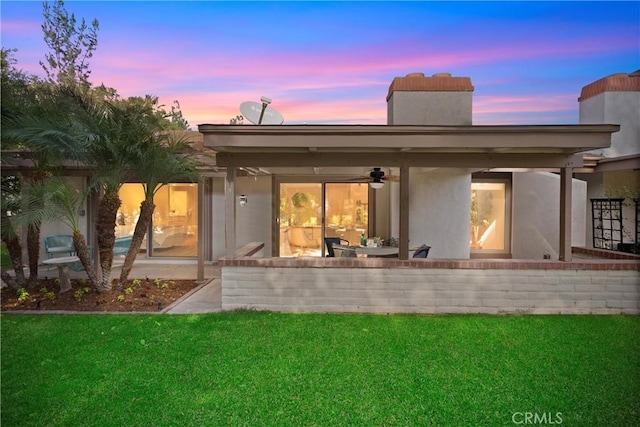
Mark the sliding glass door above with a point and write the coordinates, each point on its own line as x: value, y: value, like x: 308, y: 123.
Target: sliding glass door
x: 347, y: 210
x: 308, y: 212
x: 300, y: 219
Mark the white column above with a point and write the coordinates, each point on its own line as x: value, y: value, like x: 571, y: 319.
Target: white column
x: 230, y: 212
x: 201, y: 239
x: 566, y: 175
x: 404, y: 213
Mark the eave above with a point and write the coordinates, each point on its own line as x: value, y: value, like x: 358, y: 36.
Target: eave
x: 358, y: 145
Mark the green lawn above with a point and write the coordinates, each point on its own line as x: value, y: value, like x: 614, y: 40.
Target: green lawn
x: 255, y: 369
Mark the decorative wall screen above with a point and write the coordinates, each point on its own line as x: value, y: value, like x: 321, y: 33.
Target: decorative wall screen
x: 607, y: 223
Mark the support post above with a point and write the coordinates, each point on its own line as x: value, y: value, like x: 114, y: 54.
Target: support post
x: 566, y: 175
x: 230, y: 212
x: 404, y: 213
x: 201, y: 239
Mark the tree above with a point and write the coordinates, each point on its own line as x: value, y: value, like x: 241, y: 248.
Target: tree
x: 59, y: 200
x: 23, y: 94
x: 10, y: 202
x: 71, y: 46
x: 73, y: 121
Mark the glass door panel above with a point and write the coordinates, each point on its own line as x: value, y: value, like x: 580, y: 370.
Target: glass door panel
x: 300, y: 219
x: 488, y: 216
x: 174, y: 224
x: 175, y: 221
x: 347, y: 210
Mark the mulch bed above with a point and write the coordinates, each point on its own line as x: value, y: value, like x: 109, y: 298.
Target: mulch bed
x: 140, y: 295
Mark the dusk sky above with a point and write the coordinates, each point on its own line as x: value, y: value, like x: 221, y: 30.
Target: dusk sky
x: 333, y: 62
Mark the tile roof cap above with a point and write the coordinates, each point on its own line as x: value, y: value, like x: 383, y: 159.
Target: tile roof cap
x: 439, y: 82
x: 620, y: 82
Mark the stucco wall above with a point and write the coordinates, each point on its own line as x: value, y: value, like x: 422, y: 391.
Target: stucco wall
x: 253, y: 221
x: 431, y: 290
x: 615, y: 108
x: 218, y: 211
x: 439, y: 204
x: 536, y: 215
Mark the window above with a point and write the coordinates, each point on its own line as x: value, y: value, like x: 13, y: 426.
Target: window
x: 489, y: 216
x: 174, y: 225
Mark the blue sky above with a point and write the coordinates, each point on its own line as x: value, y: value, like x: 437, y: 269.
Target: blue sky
x: 333, y: 62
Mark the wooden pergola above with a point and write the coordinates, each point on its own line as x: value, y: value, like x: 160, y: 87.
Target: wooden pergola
x: 535, y: 147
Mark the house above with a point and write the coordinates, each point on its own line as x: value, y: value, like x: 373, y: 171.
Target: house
x: 453, y: 170
x: 502, y: 207
x: 613, y: 180
x: 497, y: 204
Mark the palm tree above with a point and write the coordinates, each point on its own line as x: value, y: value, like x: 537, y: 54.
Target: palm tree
x: 160, y: 160
x: 81, y: 125
x: 10, y: 202
x: 112, y: 138
x: 59, y: 200
x: 22, y: 95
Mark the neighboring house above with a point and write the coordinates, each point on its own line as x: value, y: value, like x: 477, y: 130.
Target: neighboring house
x: 615, y: 173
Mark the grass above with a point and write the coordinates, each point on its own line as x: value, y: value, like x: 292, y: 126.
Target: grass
x: 255, y: 369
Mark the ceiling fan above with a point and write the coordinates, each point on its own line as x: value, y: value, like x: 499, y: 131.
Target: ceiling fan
x: 377, y: 175
x: 376, y: 178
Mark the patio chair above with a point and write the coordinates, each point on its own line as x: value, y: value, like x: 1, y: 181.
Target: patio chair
x: 330, y: 241
x: 121, y: 245
x: 422, y: 251
x: 59, y: 244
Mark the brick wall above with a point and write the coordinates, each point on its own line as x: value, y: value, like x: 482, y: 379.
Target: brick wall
x: 429, y: 288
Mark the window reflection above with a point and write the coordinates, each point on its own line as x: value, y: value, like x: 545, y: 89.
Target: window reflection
x: 346, y: 215
x: 175, y: 223
x: 488, y: 207
x: 300, y: 219
x: 347, y: 211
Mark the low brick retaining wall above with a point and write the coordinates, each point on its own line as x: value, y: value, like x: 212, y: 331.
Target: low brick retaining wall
x: 431, y: 286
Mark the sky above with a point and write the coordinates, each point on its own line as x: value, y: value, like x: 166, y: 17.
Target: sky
x: 333, y: 62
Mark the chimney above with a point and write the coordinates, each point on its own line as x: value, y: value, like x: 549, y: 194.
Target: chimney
x: 439, y: 100
x: 614, y: 99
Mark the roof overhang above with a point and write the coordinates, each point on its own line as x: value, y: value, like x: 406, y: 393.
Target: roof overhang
x: 622, y: 163
x: 445, y: 146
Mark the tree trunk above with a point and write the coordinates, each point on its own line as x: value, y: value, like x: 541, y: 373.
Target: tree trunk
x: 33, y: 251
x: 85, y: 258
x: 146, y: 213
x: 15, y: 252
x: 9, y: 280
x: 11, y: 239
x: 106, y: 234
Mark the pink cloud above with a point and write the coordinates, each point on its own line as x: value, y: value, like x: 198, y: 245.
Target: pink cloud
x: 20, y: 28
x: 535, y: 103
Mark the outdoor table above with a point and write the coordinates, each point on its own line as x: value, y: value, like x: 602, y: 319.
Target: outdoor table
x: 63, y: 264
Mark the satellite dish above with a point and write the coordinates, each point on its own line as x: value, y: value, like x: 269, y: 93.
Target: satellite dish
x: 260, y: 113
